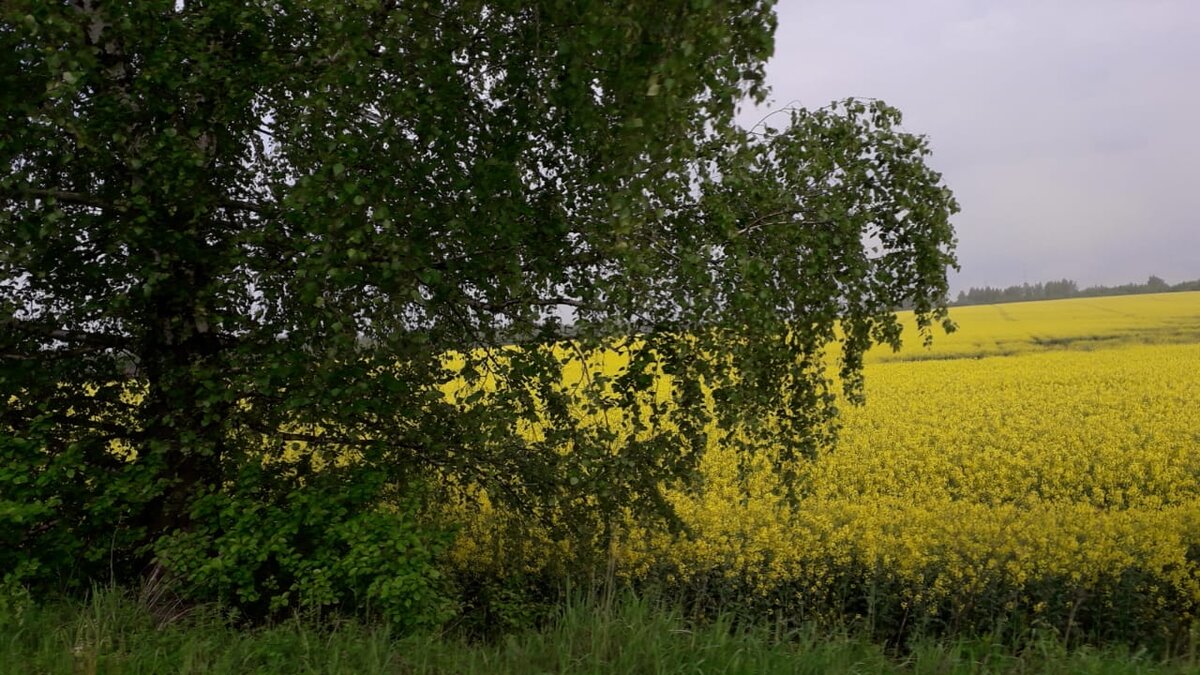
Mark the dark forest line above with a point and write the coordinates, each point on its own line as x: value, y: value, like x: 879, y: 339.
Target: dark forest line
x: 1065, y: 288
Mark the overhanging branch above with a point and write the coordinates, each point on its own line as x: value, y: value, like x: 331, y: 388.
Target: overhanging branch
x: 94, y: 339
x: 330, y: 439
x: 67, y: 196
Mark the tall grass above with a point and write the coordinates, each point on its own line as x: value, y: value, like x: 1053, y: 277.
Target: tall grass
x: 112, y: 632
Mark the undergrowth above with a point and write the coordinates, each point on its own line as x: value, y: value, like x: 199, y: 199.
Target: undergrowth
x: 113, y: 631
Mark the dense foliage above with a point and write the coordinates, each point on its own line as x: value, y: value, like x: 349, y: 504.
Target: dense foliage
x: 227, y: 227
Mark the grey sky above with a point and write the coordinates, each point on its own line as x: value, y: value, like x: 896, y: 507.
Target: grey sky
x: 1069, y: 130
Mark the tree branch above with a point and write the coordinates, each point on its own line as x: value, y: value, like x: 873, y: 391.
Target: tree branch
x: 90, y: 338
x: 527, y: 302
x: 242, y: 205
x: 764, y: 220
x: 67, y: 196
x: 11, y: 419
x: 325, y: 439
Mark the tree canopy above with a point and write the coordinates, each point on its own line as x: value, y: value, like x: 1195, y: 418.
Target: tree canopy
x: 232, y: 226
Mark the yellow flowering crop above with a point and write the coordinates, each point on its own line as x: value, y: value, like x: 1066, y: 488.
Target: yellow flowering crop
x: 1051, y: 445
x: 1080, y: 323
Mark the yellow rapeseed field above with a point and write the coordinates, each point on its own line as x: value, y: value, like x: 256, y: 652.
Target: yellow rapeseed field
x: 1082, y: 323
x: 1043, y: 457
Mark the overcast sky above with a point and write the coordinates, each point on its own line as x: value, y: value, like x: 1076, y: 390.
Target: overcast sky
x: 1069, y: 130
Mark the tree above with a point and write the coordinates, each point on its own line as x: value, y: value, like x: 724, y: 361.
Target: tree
x: 232, y: 227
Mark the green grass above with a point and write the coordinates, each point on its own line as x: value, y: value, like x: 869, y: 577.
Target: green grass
x: 111, y: 633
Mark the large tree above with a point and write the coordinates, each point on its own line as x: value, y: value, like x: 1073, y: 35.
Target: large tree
x: 232, y: 226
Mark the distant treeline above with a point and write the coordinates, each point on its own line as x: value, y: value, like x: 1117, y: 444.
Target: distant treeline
x: 1065, y: 288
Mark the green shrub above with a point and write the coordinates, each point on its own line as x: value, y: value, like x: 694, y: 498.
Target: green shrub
x: 335, y: 542
x: 72, y: 513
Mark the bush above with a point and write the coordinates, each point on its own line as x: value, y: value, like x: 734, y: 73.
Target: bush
x: 334, y: 542
x: 69, y: 512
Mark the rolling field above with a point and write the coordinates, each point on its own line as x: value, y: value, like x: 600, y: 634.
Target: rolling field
x: 1041, y: 463
x: 1079, y: 323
